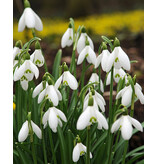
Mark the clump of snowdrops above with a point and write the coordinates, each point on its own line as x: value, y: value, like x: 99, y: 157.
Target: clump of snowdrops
x: 62, y: 120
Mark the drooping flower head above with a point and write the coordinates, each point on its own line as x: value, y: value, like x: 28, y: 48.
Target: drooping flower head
x: 67, y: 78
x: 125, y: 123
x: 91, y: 115
x: 29, y: 18
x: 37, y: 57
x: 67, y: 38
x: 118, y: 58
x: 87, y: 53
x: 27, y: 128
x: 53, y: 117
x: 17, y: 49
x: 26, y: 72
x: 82, y: 41
x: 78, y: 151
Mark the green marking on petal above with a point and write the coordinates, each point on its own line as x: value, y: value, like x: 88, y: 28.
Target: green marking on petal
x: 65, y: 83
x: 117, y: 75
x: 28, y: 71
x: 86, y: 55
x: 70, y: 38
x: 92, y: 119
x: 82, y: 153
x: 24, y: 78
x: 38, y: 62
x: 116, y: 60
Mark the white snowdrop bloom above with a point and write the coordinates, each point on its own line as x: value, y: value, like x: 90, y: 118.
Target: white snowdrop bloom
x: 125, y: 124
x: 30, y: 19
x: 119, y: 58
x: 117, y: 74
x: 24, y: 131
x: 68, y: 79
x: 78, y: 151
x: 16, y: 50
x: 87, y: 53
x: 98, y: 101
x: 50, y: 92
x: 27, y: 71
x: 103, y: 59
x: 126, y: 94
x: 89, y: 116
x: 37, y: 58
x: 67, y: 38
x: 53, y: 117
x: 95, y: 78
x: 82, y: 42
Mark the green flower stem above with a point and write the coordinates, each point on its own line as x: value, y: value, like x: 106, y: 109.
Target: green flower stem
x: 44, y: 148
x: 88, y: 146
x: 131, y: 114
x: 99, y: 71
x: 33, y: 152
x: 52, y: 146
x: 33, y: 32
x: 83, y: 73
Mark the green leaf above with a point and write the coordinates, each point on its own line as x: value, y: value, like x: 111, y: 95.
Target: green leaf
x: 108, y: 41
x: 132, y: 160
x: 62, y: 146
x: 57, y: 61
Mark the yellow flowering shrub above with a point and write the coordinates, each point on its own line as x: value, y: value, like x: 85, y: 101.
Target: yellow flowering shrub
x: 104, y: 24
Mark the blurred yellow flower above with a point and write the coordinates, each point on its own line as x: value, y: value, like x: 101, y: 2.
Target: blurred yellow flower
x: 14, y: 106
x: 104, y: 24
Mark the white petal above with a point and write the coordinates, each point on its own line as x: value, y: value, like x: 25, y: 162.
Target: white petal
x: 90, y: 42
x: 36, y: 130
x: 16, y: 51
x: 71, y: 80
x: 123, y: 59
x: 92, y: 55
x: 101, y: 86
x: 84, y: 119
x: 38, y: 22
x: 58, y: 94
x: 38, y: 57
x: 41, y: 96
x: 50, y: 91
x: 61, y: 114
x: 139, y: 94
x: 108, y: 79
x: 136, y: 124
x: 45, y: 117
x: 127, y: 96
x: 98, y: 60
x: 81, y: 43
x: 100, y: 104
x: 53, y: 120
x: 116, y: 125
x: 34, y: 69
x: 121, y: 92
x: 100, y: 97
x: 21, y: 23
x: 82, y: 55
x: 67, y: 38
x: 19, y: 72
x: 126, y: 128
x: 104, y: 60
x: 58, y: 82
x: 101, y: 119
x: 37, y: 90
x: 76, y: 153
x: 110, y: 61
x: 29, y: 18
x: 24, y: 84
x: 24, y: 131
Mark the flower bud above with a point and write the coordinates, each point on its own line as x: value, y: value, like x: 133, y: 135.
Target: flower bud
x: 116, y: 42
x: 37, y: 45
x: 26, y: 4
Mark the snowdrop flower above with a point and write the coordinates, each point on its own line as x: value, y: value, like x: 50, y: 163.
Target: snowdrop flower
x: 29, y: 18
x: 95, y: 78
x: 90, y: 116
x: 24, y: 131
x: 125, y: 123
x: 67, y: 38
x: 82, y: 41
x: 53, y: 116
x: 117, y: 74
x: 50, y: 91
x: 16, y: 49
x: 78, y: 151
x: 103, y: 58
x: 37, y: 57
x: 119, y: 58
x: 25, y: 73
x: 87, y: 53
x: 126, y: 94
x: 98, y: 101
x: 68, y: 79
